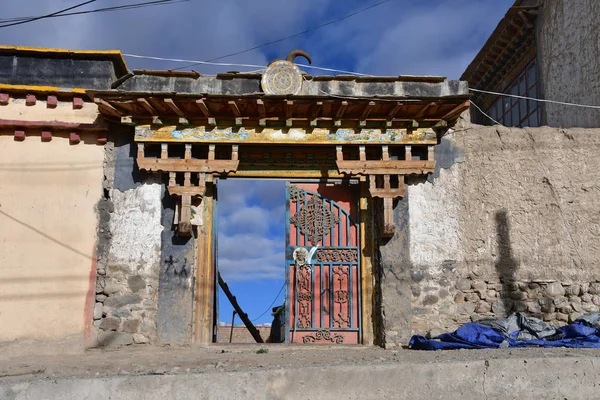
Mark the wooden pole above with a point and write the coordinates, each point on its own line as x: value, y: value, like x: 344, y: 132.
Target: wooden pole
x: 243, y: 316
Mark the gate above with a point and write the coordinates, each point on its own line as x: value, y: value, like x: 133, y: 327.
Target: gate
x: 322, y: 264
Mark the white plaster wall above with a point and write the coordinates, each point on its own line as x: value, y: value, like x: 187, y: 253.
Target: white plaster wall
x: 569, y: 47
x: 64, y: 112
x: 136, y: 228
x: 434, y: 217
x: 48, y: 194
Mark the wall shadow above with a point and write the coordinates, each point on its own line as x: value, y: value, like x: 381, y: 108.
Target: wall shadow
x: 506, y: 265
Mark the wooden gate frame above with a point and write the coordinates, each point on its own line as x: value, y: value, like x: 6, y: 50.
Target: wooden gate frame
x: 370, y: 125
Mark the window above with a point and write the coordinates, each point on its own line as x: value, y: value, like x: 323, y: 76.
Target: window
x: 512, y: 111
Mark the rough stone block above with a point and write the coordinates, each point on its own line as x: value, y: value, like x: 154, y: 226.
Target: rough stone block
x: 111, y: 288
x: 98, y: 310
x: 518, y: 295
x: 472, y: 297
x: 534, y: 308
x: 586, y: 298
x: 562, y: 317
x: 594, y: 288
x: 430, y: 299
x: 459, y: 298
x: 136, y: 283
x: 120, y: 301
x: 110, y: 324
x: 140, y: 339
x: 478, y: 286
x: 114, y: 339
x: 463, y: 284
x: 466, y: 308
x: 549, y: 317
x: 555, y: 289
x: 121, y: 313
x: 520, y: 306
x: 596, y: 300
x: 502, y: 307
x: 483, y: 307
x: 415, y: 290
x: 100, y: 298
x: 131, y: 325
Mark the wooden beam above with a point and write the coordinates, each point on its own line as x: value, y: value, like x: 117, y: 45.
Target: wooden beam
x: 234, y: 108
x: 457, y: 110
x: 262, y: 111
x: 289, y: 112
x: 107, y: 108
x: 203, y: 108
x: 385, y: 167
x: 243, y: 316
x: 423, y: 110
x: 314, y: 113
x: 366, y: 112
x: 174, y: 108
x: 182, y: 165
x: 525, y: 19
x: 340, y: 113
x: 146, y: 105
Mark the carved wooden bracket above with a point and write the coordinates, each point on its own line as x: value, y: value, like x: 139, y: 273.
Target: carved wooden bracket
x: 380, y: 173
x: 186, y: 192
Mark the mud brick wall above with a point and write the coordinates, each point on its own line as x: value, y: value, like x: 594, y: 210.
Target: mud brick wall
x: 510, y: 221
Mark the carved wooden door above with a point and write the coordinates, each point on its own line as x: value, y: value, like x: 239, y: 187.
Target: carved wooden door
x: 323, y: 264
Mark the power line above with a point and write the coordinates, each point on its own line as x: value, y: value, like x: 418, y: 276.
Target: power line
x: 534, y: 99
x: 292, y: 36
x: 47, y: 15
x: 268, y: 308
x: 22, y: 20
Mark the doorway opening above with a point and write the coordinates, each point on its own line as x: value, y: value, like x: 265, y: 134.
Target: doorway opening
x: 250, y: 231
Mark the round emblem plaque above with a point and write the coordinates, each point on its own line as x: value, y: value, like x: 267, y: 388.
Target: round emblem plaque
x: 282, y: 77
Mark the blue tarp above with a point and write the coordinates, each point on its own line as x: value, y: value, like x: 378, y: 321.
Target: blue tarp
x: 579, y: 334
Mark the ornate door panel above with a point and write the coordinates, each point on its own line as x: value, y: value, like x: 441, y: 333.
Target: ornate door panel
x: 323, y: 264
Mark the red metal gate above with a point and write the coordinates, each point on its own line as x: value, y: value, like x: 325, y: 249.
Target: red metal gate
x: 322, y: 264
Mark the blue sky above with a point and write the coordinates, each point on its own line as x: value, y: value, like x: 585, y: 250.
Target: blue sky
x: 401, y: 37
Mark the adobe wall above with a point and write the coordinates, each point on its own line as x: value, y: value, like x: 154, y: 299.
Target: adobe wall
x: 48, y: 197
x: 510, y: 221
x: 568, y: 38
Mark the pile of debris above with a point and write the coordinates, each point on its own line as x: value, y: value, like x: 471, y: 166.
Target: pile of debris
x: 517, y: 330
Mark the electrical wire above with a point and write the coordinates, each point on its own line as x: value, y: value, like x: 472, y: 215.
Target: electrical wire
x: 291, y: 36
x: 481, y: 111
x: 534, y: 99
x: 268, y: 308
x: 22, y: 20
x: 47, y: 15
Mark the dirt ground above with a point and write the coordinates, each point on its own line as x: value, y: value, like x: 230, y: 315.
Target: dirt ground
x: 149, y: 360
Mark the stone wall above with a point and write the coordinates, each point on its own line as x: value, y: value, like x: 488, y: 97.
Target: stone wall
x: 510, y: 221
x: 129, y: 248
x: 568, y: 38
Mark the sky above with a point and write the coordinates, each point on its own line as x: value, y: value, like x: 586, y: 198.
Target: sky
x: 400, y: 37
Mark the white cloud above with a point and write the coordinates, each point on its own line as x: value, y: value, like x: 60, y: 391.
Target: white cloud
x: 399, y: 37
x: 251, y: 256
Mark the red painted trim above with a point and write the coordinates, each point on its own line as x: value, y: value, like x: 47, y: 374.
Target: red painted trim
x: 90, y: 300
x: 20, y: 135
x: 46, y: 136
x: 51, y: 124
x: 4, y: 97
x: 74, y: 138
x: 77, y: 103
x: 30, y: 100
x: 52, y: 102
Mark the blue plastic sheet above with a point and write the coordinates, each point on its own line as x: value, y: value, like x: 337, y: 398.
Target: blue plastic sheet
x: 476, y: 336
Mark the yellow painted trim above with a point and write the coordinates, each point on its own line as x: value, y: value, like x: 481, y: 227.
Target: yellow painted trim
x: 41, y: 89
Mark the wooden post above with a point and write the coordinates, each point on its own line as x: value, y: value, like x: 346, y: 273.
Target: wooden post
x: 205, y: 275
